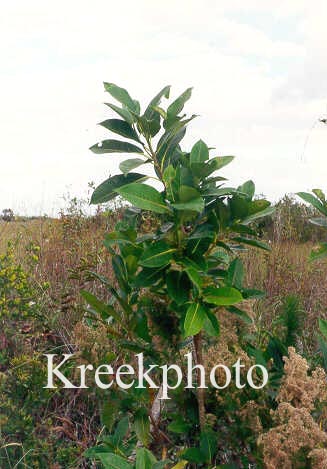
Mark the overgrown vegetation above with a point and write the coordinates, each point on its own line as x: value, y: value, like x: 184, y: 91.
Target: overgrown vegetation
x: 178, y: 255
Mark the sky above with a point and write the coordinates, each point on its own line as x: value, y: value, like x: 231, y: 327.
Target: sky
x: 258, y: 71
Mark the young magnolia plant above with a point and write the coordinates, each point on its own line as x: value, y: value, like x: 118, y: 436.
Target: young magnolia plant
x: 170, y: 281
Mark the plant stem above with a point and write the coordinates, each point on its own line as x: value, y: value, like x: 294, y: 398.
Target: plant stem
x: 200, y: 391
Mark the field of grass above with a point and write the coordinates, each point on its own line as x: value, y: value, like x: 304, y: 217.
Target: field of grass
x: 58, y: 254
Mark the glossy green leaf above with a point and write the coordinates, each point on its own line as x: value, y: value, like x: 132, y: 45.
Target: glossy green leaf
x: 142, y: 426
x: 194, y: 319
x: 189, y: 199
x: 248, y: 188
x: 150, y: 111
x: 199, y: 153
x: 128, y: 165
x: 169, y: 178
x: 115, y: 146
x: 177, y: 106
x: 194, y: 455
x: 113, y: 461
x: 215, y: 164
x: 124, y: 113
x: 120, y: 127
x: 208, y: 444
x: 222, y: 296
x: 195, y: 277
x: 255, y: 216
x: 252, y: 293
x: 147, y: 278
x: 258, y: 205
x: 194, y: 205
x: 219, y: 192
x: 314, y: 201
x: 253, y: 242
x: 319, y: 193
x: 143, y: 196
x: 119, y: 269
x: 235, y: 273
x: 179, y: 426
x: 144, y: 459
x: 123, y: 97
x: 178, y: 286
x: 121, y: 431
x: 106, y: 190
x: 239, y: 312
x: 104, y: 310
x: 157, y: 255
x: 211, y: 324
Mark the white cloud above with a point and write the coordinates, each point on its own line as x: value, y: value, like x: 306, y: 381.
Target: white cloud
x: 257, y: 93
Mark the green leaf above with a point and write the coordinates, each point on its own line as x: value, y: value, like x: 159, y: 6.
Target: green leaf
x: 147, y: 278
x: 177, y: 106
x: 247, y: 188
x: 150, y: 111
x: 194, y: 319
x: 195, y: 205
x: 199, y: 153
x: 142, y: 426
x: 158, y: 254
x: 214, y: 164
x: 144, y: 459
x: 103, y: 309
x: 121, y: 431
x: 208, y: 445
x: 168, y: 145
x: 169, y: 177
x: 178, y: 286
x: 123, y: 97
x: 239, y: 312
x: 252, y: 242
x: 119, y: 269
x: 128, y: 165
x: 189, y: 199
x: 211, y: 324
x: 235, y: 273
x: 106, y: 190
x: 124, y: 113
x: 252, y: 293
x: 319, y: 193
x: 120, y: 127
x: 311, y: 199
x: 255, y: 216
x: 179, y: 426
x: 222, y: 296
x: 195, y: 277
x: 193, y: 455
x: 113, y: 461
x: 323, y: 327
x: 258, y: 205
x: 219, y: 192
x: 143, y: 196
x: 319, y: 253
x: 115, y: 146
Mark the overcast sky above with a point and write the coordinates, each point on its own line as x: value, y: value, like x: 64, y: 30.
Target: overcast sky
x: 258, y: 69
